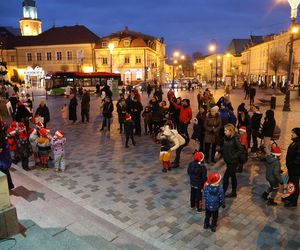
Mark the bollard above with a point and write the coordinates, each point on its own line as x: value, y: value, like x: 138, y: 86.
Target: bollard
x: 273, y: 102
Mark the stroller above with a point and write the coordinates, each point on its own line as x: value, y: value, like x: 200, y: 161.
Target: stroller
x: 261, y: 153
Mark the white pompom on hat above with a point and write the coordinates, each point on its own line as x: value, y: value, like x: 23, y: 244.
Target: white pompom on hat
x: 59, y: 133
x: 215, y: 108
x: 243, y: 129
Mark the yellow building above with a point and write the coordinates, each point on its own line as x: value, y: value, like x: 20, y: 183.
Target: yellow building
x: 260, y: 61
x: 210, y: 68
x: 136, y: 56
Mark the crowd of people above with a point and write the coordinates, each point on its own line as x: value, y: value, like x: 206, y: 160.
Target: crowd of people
x: 219, y: 132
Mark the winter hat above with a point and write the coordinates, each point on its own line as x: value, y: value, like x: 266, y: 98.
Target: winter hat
x: 187, y: 101
x: 11, y: 131
x: 44, y: 132
x: 215, y: 108
x: 32, y: 130
x: 198, y: 156
x: 296, y: 131
x: 243, y: 129
x: 23, y: 135
x: 59, y: 134
x: 276, y: 151
x: 39, y: 125
x: 21, y: 126
x: 13, y: 124
x: 127, y: 117
x: 214, y: 178
x: 167, y: 131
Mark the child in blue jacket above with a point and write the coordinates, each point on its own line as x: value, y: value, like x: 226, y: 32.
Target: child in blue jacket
x: 214, y: 199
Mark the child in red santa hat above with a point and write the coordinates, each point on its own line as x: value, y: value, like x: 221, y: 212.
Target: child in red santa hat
x: 58, y: 147
x: 12, y: 141
x: 24, y: 149
x: 244, y: 142
x: 44, y: 147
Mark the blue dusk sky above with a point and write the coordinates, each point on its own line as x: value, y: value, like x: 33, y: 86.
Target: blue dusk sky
x: 186, y: 25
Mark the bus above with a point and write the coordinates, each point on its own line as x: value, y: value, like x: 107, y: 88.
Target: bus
x: 62, y: 79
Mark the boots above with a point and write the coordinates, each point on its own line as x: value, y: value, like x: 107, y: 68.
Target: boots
x: 271, y: 202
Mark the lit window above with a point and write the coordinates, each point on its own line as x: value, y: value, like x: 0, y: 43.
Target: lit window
x: 104, y: 60
x: 39, y: 56
x: 126, y: 43
x: 138, y: 60
x: 104, y: 44
x: 12, y: 58
x: 127, y: 60
x: 69, y: 55
x: 29, y: 57
x: 58, y: 56
x: 49, y: 56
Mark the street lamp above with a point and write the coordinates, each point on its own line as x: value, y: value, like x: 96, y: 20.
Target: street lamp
x: 211, y: 69
x: 212, y: 48
x: 176, y: 56
x: 294, y: 9
x: 111, y: 47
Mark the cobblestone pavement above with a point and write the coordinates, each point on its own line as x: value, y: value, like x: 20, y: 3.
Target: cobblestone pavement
x: 127, y: 188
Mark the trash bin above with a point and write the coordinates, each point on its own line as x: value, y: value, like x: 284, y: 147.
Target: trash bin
x: 273, y: 102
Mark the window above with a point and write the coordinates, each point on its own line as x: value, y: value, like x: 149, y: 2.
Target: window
x: 104, y: 44
x: 39, y: 56
x: 69, y: 55
x: 127, y: 60
x: 49, y: 56
x: 29, y: 57
x: 138, y: 60
x: 126, y: 43
x: 104, y: 60
x: 58, y: 56
x: 12, y: 58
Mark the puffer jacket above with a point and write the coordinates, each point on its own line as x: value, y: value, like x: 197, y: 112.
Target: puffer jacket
x: 176, y: 139
x: 5, y: 158
x: 212, y: 126
x: 273, y: 176
x: 214, y: 197
x: 197, y: 173
x: 293, y: 158
x: 232, y: 149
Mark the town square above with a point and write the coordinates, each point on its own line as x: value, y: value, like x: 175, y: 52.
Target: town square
x: 122, y: 141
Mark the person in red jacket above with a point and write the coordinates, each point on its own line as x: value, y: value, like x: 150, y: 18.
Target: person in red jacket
x: 185, y: 116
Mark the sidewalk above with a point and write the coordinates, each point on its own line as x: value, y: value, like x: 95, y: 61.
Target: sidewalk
x: 49, y: 210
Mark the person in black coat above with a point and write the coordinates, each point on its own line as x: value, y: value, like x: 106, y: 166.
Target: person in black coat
x: 293, y: 166
x: 85, y: 106
x: 13, y: 101
x: 268, y: 130
x: 252, y: 93
x: 198, y: 175
x: 198, y: 128
x: 43, y: 111
x: 121, y: 110
x: 73, y: 109
x: 128, y: 130
x: 135, y: 110
x: 255, y: 126
x: 108, y: 109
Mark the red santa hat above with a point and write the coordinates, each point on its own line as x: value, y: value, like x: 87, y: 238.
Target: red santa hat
x: 11, y: 131
x: 127, y: 117
x: 243, y: 129
x: 13, y: 124
x: 23, y: 135
x: 21, y: 126
x: 198, y: 156
x: 214, y: 178
x: 44, y: 132
x: 39, y: 125
x: 32, y: 130
x: 59, y: 134
x: 276, y: 151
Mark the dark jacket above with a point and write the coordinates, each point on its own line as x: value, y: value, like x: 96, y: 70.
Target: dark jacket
x: 212, y: 126
x: 22, y: 114
x: 198, y: 129
x: 85, y: 102
x: 43, y: 111
x: 269, y: 124
x: 232, y: 149
x: 214, y: 197
x: 273, y: 170
x: 256, y: 120
x: 121, y: 110
x: 293, y: 158
x: 197, y: 173
x: 128, y: 127
x: 24, y: 149
x: 252, y: 92
x: 108, y: 108
x: 72, y: 109
x: 135, y: 110
x: 5, y: 158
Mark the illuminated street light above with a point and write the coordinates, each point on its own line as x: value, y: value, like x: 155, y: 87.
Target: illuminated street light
x: 294, y: 9
x: 213, y: 48
x: 111, y: 47
x: 176, y: 54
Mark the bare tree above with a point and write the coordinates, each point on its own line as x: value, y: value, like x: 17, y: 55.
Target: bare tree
x: 197, y: 55
x: 277, y: 61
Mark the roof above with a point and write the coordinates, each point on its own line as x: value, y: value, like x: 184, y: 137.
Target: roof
x: 7, y: 37
x: 237, y: 46
x: 60, y: 35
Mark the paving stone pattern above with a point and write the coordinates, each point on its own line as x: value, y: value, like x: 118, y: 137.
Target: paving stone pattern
x: 128, y: 186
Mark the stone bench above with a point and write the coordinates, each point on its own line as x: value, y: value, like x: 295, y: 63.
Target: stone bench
x: 8, y: 214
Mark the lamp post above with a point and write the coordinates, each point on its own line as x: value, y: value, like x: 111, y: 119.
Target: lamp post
x: 175, y: 57
x: 211, y: 69
x: 294, y: 9
x: 212, y: 48
x: 111, y: 47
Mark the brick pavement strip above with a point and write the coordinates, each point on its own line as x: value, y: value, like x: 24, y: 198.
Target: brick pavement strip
x: 128, y: 189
